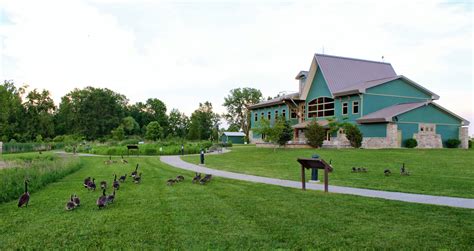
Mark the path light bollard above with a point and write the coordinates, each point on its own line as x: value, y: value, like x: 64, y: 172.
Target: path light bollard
x: 182, y: 149
x: 1, y: 147
x: 202, y: 156
x: 314, y: 171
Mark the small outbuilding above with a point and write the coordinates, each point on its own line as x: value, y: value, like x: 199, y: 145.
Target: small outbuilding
x: 234, y: 137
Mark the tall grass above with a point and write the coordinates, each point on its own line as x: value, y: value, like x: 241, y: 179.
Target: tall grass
x: 30, y: 147
x: 161, y: 148
x: 39, y: 170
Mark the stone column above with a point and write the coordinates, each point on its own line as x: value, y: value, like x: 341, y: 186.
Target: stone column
x: 464, y: 137
x: 392, y: 135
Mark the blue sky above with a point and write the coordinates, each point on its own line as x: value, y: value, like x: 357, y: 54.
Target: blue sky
x: 193, y: 51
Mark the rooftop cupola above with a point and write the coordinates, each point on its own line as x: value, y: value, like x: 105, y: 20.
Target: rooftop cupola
x: 302, y: 75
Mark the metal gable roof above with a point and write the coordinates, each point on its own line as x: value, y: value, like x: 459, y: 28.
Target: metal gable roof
x: 234, y: 134
x: 341, y: 73
x: 386, y: 114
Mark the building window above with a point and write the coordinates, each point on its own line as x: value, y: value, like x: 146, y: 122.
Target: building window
x: 269, y: 115
x: 293, y: 113
x: 345, y: 108
x: 355, y: 107
x: 262, y: 115
x: 256, y: 117
x: 304, y: 111
x: 276, y: 114
x: 283, y: 113
x: 427, y: 128
x: 321, y: 107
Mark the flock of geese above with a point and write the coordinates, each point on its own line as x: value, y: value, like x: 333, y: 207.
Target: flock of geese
x: 105, y: 200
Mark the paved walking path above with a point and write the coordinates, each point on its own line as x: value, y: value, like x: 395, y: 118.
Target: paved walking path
x: 176, y: 161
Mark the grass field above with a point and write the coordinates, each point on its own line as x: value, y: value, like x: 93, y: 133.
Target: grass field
x: 448, y: 172
x: 224, y: 214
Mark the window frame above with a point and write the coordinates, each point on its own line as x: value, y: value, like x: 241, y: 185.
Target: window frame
x: 256, y: 116
x: 269, y: 115
x: 353, y: 106
x: 322, y: 106
x: 347, y: 108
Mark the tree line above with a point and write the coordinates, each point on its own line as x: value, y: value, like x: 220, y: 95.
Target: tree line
x: 100, y: 113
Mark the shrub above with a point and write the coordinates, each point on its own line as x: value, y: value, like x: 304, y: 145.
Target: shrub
x: 411, y: 143
x: 286, y: 133
x: 150, y: 151
x: 315, y: 134
x: 353, y: 134
x: 471, y: 142
x: 453, y: 143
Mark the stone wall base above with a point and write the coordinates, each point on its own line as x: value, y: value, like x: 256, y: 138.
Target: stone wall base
x: 428, y: 140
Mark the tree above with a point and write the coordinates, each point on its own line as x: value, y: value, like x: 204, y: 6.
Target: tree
x: 92, y: 112
x: 279, y: 133
x: 237, y: 103
x: 118, y: 133
x: 353, y: 134
x: 315, y: 134
x: 154, y: 131
x: 11, y: 112
x: 130, y: 126
x: 39, y: 118
x: 203, y: 122
x: 286, y: 132
x: 233, y: 128
x: 178, y: 124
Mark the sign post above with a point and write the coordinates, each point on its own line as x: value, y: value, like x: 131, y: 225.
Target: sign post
x: 315, y: 164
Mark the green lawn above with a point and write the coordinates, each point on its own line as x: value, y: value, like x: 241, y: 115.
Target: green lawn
x: 448, y: 172
x: 221, y: 215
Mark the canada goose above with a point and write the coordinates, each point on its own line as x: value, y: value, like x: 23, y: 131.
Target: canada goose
x: 124, y: 160
x: 86, y: 182
x: 111, y: 198
x: 387, y: 172
x: 77, y: 201
x: 364, y: 170
x: 116, y: 184
x: 109, y: 161
x: 103, y: 184
x: 102, y: 200
x: 206, y: 179
x: 92, y: 185
x: 354, y: 169
x: 25, y: 197
x: 137, y: 178
x: 197, y: 178
x: 70, y: 205
x: 358, y: 169
x: 134, y: 173
x: 180, y: 178
x: 122, y: 178
x: 171, y: 182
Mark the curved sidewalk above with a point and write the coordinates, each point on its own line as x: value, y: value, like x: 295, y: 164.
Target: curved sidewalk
x: 176, y: 161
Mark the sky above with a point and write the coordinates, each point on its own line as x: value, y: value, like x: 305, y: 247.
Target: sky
x: 187, y: 52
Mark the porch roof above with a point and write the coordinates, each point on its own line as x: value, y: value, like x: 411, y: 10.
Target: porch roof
x: 302, y: 125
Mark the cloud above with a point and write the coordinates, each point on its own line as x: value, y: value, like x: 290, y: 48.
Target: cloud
x: 189, y: 52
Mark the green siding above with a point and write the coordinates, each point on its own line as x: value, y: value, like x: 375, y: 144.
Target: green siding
x: 270, y: 109
x: 428, y: 114
x: 235, y: 139
x: 350, y: 116
x: 407, y: 131
x: 374, y: 130
x: 319, y: 88
x: 447, y: 132
x: 373, y: 103
x: 399, y: 87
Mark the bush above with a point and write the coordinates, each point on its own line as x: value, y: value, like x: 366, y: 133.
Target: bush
x: 150, y: 151
x: 471, y: 142
x: 353, y: 134
x: 453, y: 143
x: 411, y: 143
x: 315, y: 134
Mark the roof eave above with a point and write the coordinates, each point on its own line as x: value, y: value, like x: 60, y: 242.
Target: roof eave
x: 373, y: 120
x: 346, y: 93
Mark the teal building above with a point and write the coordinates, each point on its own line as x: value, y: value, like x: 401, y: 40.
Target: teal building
x: 233, y: 137
x: 388, y: 108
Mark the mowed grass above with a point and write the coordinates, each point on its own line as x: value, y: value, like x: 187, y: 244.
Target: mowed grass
x: 448, y: 172
x: 225, y: 214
